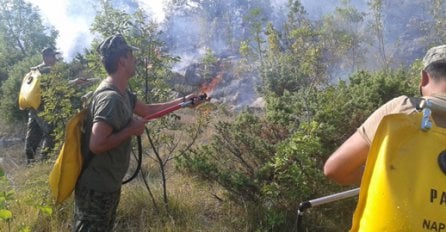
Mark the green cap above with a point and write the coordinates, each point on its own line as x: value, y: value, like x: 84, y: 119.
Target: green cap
x: 434, y: 55
x: 114, y: 45
x: 49, y: 51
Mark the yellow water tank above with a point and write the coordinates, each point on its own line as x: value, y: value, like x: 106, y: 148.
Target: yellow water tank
x: 30, y: 94
x: 404, y: 183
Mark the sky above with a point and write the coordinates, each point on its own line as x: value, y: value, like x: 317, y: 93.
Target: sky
x: 72, y: 19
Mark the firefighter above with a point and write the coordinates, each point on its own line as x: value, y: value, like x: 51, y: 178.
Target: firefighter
x: 345, y: 166
x: 115, y: 115
x: 38, y: 131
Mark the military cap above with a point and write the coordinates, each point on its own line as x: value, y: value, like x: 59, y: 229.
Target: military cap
x: 49, y: 51
x: 114, y: 45
x: 435, y: 55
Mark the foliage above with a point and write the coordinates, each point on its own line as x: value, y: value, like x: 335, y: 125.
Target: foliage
x: 346, y: 53
x: 262, y: 161
x: 24, y: 194
x: 61, y: 100
x: 293, y: 60
x: 22, y: 34
x: 315, y: 80
x: 240, y: 159
x: 6, y: 195
x: 22, y: 38
x: 356, y: 100
x: 9, y: 107
x: 5, y: 214
x: 218, y: 25
x: 119, y: 25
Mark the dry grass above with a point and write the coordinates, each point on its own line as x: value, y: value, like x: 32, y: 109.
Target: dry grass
x: 191, y: 208
x: 193, y: 205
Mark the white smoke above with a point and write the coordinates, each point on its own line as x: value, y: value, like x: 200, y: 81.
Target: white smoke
x: 155, y: 8
x: 73, y: 18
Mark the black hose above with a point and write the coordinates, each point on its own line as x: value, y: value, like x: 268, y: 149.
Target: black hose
x: 300, y: 213
x: 139, y: 160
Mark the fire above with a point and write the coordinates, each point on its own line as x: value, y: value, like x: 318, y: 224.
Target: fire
x: 208, y: 88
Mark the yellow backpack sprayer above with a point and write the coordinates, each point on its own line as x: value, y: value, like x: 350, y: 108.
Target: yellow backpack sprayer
x: 403, y: 187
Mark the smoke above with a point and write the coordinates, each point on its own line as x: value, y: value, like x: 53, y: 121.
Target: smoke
x: 189, y: 35
x: 317, y: 9
x: 73, y: 18
x: 155, y: 8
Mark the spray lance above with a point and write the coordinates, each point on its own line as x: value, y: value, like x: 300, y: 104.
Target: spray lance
x: 176, y: 107
x: 157, y: 115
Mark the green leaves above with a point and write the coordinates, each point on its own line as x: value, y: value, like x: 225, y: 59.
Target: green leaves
x: 5, y: 214
x: 61, y: 100
x: 5, y: 197
x: 46, y: 210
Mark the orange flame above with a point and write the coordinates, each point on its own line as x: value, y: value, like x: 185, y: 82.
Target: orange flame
x: 208, y: 88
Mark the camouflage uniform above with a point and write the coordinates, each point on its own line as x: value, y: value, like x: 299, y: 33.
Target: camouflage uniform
x: 38, y: 131
x: 98, y: 188
x: 94, y: 211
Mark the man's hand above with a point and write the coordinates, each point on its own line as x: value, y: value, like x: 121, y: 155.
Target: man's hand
x: 137, y: 125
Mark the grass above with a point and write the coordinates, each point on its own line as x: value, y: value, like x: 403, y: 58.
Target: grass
x: 193, y: 205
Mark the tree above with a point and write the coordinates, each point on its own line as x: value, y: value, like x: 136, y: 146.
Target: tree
x: 22, y: 37
x: 437, y: 9
x: 218, y: 25
x: 22, y: 33
x: 377, y: 26
x: 343, y: 37
x: 295, y: 61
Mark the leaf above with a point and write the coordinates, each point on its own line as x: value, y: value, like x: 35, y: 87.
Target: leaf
x: 25, y: 229
x: 5, y: 214
x: 46, y: 210
x: 10, y: 195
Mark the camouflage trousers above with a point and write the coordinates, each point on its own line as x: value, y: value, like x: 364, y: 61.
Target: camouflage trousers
x: 94, y: 211
x: 38, y: 132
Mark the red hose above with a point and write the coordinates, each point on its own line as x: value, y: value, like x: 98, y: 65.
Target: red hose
x: 163, y: 112
x: 175, y: 107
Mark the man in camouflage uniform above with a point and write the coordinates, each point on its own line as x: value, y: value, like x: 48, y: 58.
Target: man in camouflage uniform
x: 38, y: 131
x: 115, y: 115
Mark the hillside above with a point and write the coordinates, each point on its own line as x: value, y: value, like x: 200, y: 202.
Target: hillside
x: 193, y: 204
